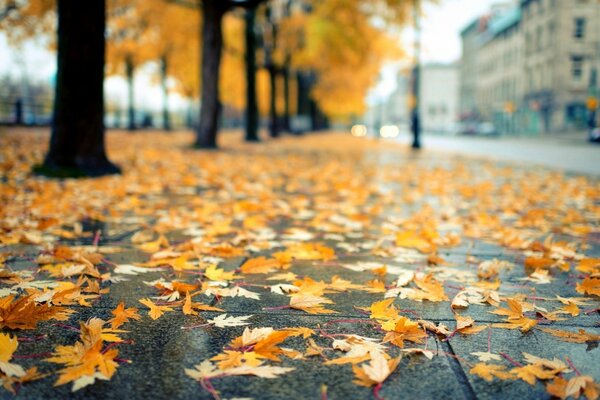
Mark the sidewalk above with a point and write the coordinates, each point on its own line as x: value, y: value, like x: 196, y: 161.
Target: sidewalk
x: 347, y: 269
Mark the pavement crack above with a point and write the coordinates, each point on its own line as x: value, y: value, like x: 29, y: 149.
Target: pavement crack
x: 458, y: 370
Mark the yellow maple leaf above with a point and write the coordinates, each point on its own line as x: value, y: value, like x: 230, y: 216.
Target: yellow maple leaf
x: 405, y: 329
x: 218, y: 274
x: 25, y: 313
x: 305, y: 251
x: 189, y: 306
x: 589, y: 285
x: 155, y: 245
x: 233, y: 358
x: 431, y: 289
x: 310, y: 303
x: 529, y: 373
x: 86, y: 359
x: 122, y: 315
x: 376, y: 371
x: 491, y: 371
x: 574, y: 337
x: 156, y: 311
x: 8, y: 345
x: 260, y: 265
x: 413, y: 240
x: 384, y: 311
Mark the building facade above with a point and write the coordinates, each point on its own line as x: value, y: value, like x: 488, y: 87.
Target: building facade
x: 438, y: 97
x: 532, y: 67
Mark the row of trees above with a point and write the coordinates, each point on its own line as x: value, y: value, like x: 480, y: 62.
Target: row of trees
x: 319, y: 57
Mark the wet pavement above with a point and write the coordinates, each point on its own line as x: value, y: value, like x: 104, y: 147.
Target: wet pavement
x: 355, y: 199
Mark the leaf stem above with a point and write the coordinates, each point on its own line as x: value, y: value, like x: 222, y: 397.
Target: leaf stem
x: 511, y: 360
x: 376, y: 390
x: 572, y: 366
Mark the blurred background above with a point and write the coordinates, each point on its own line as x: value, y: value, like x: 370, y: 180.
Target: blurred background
x: 520, y: 68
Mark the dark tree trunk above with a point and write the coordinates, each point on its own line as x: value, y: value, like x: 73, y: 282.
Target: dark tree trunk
x: 314, y: 118
x: 212, y: 46
x: 286, y: 95
x: 77, y: 140
x: 163, y: 80
x: 129, y: 70
x: 251, y: 103
x: 273, y: 125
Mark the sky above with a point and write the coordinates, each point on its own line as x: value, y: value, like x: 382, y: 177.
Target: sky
x: 441, y: 28
x: 440, y: 38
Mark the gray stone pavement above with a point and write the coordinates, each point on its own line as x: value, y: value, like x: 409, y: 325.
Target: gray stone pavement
x: 159, y: 350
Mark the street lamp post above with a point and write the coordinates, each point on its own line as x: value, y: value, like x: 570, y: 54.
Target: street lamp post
x: 415, y: 118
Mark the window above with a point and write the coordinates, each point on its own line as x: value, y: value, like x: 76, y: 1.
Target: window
x: 579, y: 32
x: 577, y: 67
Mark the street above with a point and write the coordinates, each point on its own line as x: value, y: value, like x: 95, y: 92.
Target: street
x: 571, y: 153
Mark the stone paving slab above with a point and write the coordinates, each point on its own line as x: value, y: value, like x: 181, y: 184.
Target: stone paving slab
x: 513, y: 343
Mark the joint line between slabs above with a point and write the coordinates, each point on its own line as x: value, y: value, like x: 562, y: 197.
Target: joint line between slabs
x: 458, y: 370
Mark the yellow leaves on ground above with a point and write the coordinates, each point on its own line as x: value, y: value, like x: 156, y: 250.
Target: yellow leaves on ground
x: 405, y: 329
x: 466, y: 325
x: 413, y: 240
x: 532, y: 372
x: 398, y: 328
x: 206, y: 370
x: 264, y: 343
x: 276, y: 212
x: 376, y: 371
x: 574, y: 337
x: 156, y: 311
x: 310, y: 303
x: 384, y: 311
x: 86, y: 360
x: 24, y: 313
x: 8, y: 345
x: 430, y: 289
x: 491, y: 371
x: 539, y: 369
x: 189, y: 307
x: 122, y: 315
x: 155, y: 245
x: 574, y: 387
x: 218, y: 274
x: 232, y: 358
x: 514, y: 317
x: 260, y: 265
x: 589, y: 266
x: 305, y: 251
x: 589, y: 285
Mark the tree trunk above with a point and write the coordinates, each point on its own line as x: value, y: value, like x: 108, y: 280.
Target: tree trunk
x: 273, y: 125
x: 212, y: 46
x: 129, y: 70
x: 251, y: 103
x: 286, y: 95
x: 77, y: 139
x: 163, y: 80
